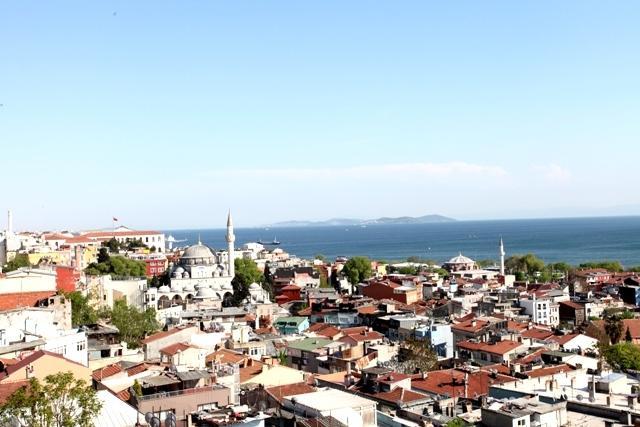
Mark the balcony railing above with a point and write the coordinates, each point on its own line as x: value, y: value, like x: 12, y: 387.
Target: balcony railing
x: 163, y: 395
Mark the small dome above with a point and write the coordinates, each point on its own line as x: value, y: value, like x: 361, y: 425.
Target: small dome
x: 227, y: 287
x: 205, y: 293
x: 254, y: 286
x: 179, y: 270
x: 188, y: 288
x: 460, y: 259
x: 164, y: 289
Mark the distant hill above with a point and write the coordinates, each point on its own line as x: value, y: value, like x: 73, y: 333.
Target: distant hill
x: 426, y: 219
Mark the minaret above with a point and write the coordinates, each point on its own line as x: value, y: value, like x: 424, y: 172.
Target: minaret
x: 231, y: 238
x: 9, y: 222
x: 502, y: 254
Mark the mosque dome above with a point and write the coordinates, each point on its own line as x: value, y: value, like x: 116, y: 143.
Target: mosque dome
x: 164, y: 289
x: 254, y: 286
x: 206, y: 293
x: 460, y: 259
x: 198, y: 254
x: 188, y: 288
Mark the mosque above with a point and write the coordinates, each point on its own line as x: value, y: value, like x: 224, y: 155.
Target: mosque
x: 202, y: 276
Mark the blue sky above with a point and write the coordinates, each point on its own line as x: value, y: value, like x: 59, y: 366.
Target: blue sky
x: 166, y: 114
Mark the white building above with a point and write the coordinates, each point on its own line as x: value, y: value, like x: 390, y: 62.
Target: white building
x: 36, y: 328
x: 124, y: 235
x: 542, y: 310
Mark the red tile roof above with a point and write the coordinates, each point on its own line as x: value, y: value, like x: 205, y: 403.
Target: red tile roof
x: 106, y: 372
x: 573, y: 305
x: 516, y: 326
x: 280, y: 392
x: 367, y: 309
x: 452, y: 382
x: 362, y: 337
x: 110, y: 234
x: 399, y: 394
x: 9, y: 388
x: 501, y: 347
x: 135, y: 370
x: 124, y: 395
x: 329, y: 332
x: 551, y: 370
x: 225, y: 356
x: 531, y: 357
x: 562, y: 339
x: 537, y: 333
x: 355, y: 330
x: 173, y: 349
x: 23, y: 299
x: 472, y: 325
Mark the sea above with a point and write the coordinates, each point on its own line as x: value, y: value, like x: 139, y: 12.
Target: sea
x: 572, y: 240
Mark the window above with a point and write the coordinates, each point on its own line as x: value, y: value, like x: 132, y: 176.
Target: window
x: 521, y: 422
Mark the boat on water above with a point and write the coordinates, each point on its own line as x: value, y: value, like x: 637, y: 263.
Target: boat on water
x: 274, y: 242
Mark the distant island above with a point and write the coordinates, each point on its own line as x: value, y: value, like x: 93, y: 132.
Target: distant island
x: 426, y: 219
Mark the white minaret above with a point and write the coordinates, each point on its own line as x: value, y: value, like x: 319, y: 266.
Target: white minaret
x: 9, y: 222
x: 502, y: 254
x: 231, y: 238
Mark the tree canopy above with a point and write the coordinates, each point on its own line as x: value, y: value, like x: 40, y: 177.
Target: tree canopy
x: 614, y: 328
x: 624, y: 355
x: 417, y: 356
x: 612, y: 266
x: 61, y: 401
x: 133, y: 324
x: 116, y: 266
x: 247, y: 272
x: 357, y: 269
x: 82, y: 313
x: 20, y: 260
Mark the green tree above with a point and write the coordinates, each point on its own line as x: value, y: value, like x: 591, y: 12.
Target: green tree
x: 321, y: 257
x: 82, y: 313
x: 247, y: 272
x: 112, y: 244
x: 418, y: 356
x: 612, y: 266
x: 137, y: 388
x: 103, y: 256
x: 356, y: 270
x: 483, y: 263
x: 133, y: 324
x: 456, y: 422
x: 626, y: 314
x: 527, y: 265
x: 624, y: 355
x: 19, y: 261
x: 627, y: 336
x: 117, y: 266
x: 61, y: 401
x: 613, y: 326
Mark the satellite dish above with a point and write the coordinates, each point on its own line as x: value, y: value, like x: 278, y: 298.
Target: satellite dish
x: 168, y: 422
x: 155, y: 422
x: 147, y: 417
x: 171, y: 416
x: 579, y: 397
